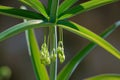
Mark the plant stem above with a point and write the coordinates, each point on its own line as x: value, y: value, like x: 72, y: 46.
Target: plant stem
x: 53, y: 45
x: 53, y: 37
x: 60, y: 34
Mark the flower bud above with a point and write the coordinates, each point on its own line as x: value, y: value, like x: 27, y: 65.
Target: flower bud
x: 60, y: 51
x: 53, y: 55
x: 45, y: 58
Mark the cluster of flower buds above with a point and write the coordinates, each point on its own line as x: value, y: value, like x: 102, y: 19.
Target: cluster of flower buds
x: 47, y: 58
x: 60, y: 51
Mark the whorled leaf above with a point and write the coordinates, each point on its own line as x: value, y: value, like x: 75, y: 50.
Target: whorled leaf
x: 22, y: 27
x: 66, y: 4
x: 70, y: 67
x: 19, y: 13
x: 49, y: 6
x: 92, y: 4
x: 105, y: 77
x: 54, y: 10
x: 85, y: 33
x: 37, y: 5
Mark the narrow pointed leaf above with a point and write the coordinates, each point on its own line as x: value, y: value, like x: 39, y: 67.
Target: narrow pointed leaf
x: 22, y: 27
x: 66, y: 4
x: 92, y: 4
x: 69, y: 68
x: 37, y: 5
x: 105, y: 77
x: 83, y: 32
x: 19, y: 13
x: 54, y: 10
x: 49, y: 6
x: 40, y: 69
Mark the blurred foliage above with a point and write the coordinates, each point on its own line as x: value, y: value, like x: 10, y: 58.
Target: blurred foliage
x: 5, y: 73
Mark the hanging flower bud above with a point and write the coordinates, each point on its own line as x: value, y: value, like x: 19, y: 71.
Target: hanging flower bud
x: 60, y: 51
x: 61, y: 57
x: 45, y: 59
x: 53, y: 55
x: 48, y: 61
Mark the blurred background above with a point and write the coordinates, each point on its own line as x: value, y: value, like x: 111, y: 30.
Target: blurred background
x: 14, y: 53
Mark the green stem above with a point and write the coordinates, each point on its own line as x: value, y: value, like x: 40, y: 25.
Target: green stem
x: 53, y: 37
x: 53, y: 45
x: 60, y: 34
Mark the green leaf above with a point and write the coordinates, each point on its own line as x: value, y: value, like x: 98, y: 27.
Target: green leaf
x: 49, y: 6
x: 66, y: 4
x: 83, y: 32
x: 92, y: 4
x: 19, y: 13
x: 40, y: 69
x: 54, y: 10
x: 69, y: 68
x: 22, y: 27
x: 105, y: 77
x: 37, y: 5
